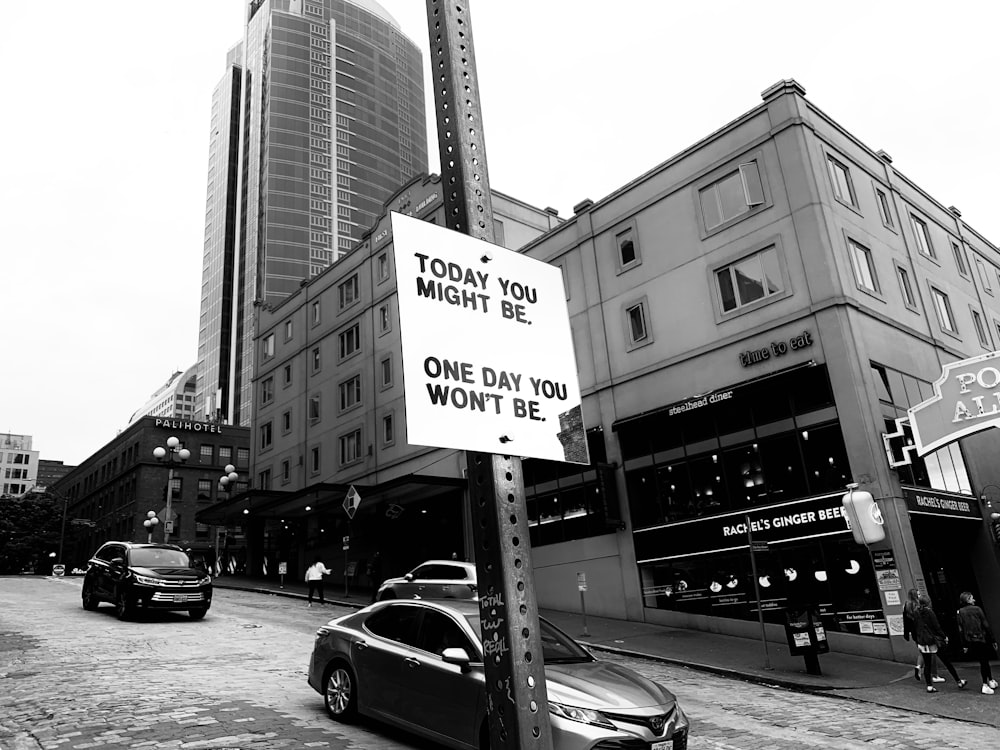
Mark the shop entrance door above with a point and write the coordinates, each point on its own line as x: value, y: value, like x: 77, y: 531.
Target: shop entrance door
x: 943, y: 546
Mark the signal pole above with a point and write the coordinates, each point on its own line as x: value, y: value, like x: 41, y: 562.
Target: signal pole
x: 515, y: 674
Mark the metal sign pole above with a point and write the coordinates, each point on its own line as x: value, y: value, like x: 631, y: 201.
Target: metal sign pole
x: 756, y: 589
x: 515, y: 674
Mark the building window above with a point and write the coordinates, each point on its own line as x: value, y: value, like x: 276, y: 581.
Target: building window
x: 265, y: 436
x: 207, y: 452
x: 386, y: 368
x: 350, y: 448
x: 734, y: 195
x: 627, y: 244
x: 242, y: 457
x: 923, y: 237
x: 268, y: 346
x: 977, y: 321
x: 315, y: 313
x: 314, y: 412
x: 204, y: 489
x: 984, y: 276
x: 267, y: 390
x: 350, y: 393
x: 317, y: 361
x: 286, y: 422
x: 226, y: 455
x: 350, y: 341
x: 314, y: 462
x: 498, y: 233
x: 864, y: 267
x: 382, y: 267
x: 388, y: 436
x: 264, y: 479
x: 635, y: 319
x: 960, y: 262
x: 942, y: 305
x: 384, y: 318
x: 840, y: 177
x: 883, y: 208
x: 348, y: 292
x: 753, y: 278
x: 287, y: 374
x: 905, y: 287
x: 286, y: 471
x: 288, y: 330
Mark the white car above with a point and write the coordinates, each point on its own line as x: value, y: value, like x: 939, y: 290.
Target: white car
x: 434, y: 579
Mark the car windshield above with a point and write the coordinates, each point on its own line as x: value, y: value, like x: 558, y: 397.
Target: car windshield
x: 557, y: 647
x: 156, y: 557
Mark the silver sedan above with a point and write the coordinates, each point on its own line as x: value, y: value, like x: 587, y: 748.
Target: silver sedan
x: 418, y: 664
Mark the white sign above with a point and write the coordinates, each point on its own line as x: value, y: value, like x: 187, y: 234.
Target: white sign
x: 282, y: 568
x: 892, y: 598
x: 581, y: 581
x: 488, y: 362
x: 351, y: 502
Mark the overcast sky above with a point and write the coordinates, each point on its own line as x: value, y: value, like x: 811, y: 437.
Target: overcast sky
x: 106, y: 122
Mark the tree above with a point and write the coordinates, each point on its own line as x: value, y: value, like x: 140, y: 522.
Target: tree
x: 30, y: 527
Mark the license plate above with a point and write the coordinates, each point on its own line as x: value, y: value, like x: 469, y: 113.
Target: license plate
x: 662, y: 746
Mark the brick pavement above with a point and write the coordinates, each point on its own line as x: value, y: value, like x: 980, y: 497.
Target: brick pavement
x: 68, y: 679
x: 71, y: 679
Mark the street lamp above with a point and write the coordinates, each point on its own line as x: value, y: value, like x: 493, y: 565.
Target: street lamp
x: 172, y: 454
x: 228, y: 478
x: 150, y: 524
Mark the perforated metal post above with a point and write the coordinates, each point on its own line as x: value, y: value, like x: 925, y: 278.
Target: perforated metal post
x: 515, y: 675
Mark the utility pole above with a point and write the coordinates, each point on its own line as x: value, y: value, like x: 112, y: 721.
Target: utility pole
x: 514, y: 667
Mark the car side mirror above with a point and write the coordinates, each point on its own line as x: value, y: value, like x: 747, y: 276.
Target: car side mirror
x: 456, y: 656
x: 408, y: 576
x: 118, y: 562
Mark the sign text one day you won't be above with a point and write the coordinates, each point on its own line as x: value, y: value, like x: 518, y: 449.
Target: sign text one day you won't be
x: 488, y: 361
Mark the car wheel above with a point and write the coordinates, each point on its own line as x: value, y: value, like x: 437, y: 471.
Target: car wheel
x: 198, y: 614
x: 122, y: 608
x: 340, y: 693
x: 89, y: 600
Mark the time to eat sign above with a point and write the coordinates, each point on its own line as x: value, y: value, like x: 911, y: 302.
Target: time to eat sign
x: 488, y: 362
x: 966, y: 400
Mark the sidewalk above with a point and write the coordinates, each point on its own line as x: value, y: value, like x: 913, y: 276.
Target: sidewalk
x: 878, y: 681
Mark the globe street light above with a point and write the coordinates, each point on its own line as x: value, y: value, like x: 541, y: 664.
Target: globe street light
x: 150, y: 524
x: 228, y: 478
x: 172, y: 454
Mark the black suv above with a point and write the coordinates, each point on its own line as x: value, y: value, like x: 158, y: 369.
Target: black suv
x: 137, y: 577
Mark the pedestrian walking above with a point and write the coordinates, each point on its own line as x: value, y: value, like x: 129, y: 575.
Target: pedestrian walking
x: 912, y: 602
x: 931, y: 640
x: 314, y: 579
x: 977, y: 638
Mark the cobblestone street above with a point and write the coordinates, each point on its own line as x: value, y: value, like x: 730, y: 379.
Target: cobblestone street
x: 76, y: 679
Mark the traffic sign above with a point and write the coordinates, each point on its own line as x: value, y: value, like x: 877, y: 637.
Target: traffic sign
x: 488, y: 359
x: 351, y: 502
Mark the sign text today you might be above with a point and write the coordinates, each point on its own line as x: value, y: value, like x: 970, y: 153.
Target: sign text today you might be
x: 488, y: 361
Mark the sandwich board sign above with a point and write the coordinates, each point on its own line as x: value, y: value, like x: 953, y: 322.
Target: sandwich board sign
x: 488, y: 361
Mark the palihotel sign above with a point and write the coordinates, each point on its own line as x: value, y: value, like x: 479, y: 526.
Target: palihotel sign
x: 966, y: 400
x: 180, y: 424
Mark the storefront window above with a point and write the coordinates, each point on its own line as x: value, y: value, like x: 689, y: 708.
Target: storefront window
x: 835, y: 575
x: 825, y: 458
x: 567, y: 501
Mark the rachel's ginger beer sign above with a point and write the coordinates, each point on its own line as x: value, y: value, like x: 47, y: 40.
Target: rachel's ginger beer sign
x: 966, y: 400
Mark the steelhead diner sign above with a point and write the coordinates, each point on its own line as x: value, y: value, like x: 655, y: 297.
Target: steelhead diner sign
x: 966, y: 400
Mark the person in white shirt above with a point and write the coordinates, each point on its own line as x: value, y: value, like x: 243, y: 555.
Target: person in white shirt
x: 314, y: 578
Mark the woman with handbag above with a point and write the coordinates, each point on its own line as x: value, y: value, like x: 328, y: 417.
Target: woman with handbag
x: 931, y: 639
x: 977, y: 638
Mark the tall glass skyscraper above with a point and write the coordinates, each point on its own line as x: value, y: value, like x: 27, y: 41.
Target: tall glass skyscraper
x: 318, y: 120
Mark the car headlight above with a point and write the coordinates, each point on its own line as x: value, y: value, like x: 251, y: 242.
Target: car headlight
x: 583, y: 715
x: 147, y: 581
x: 205, y: 581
